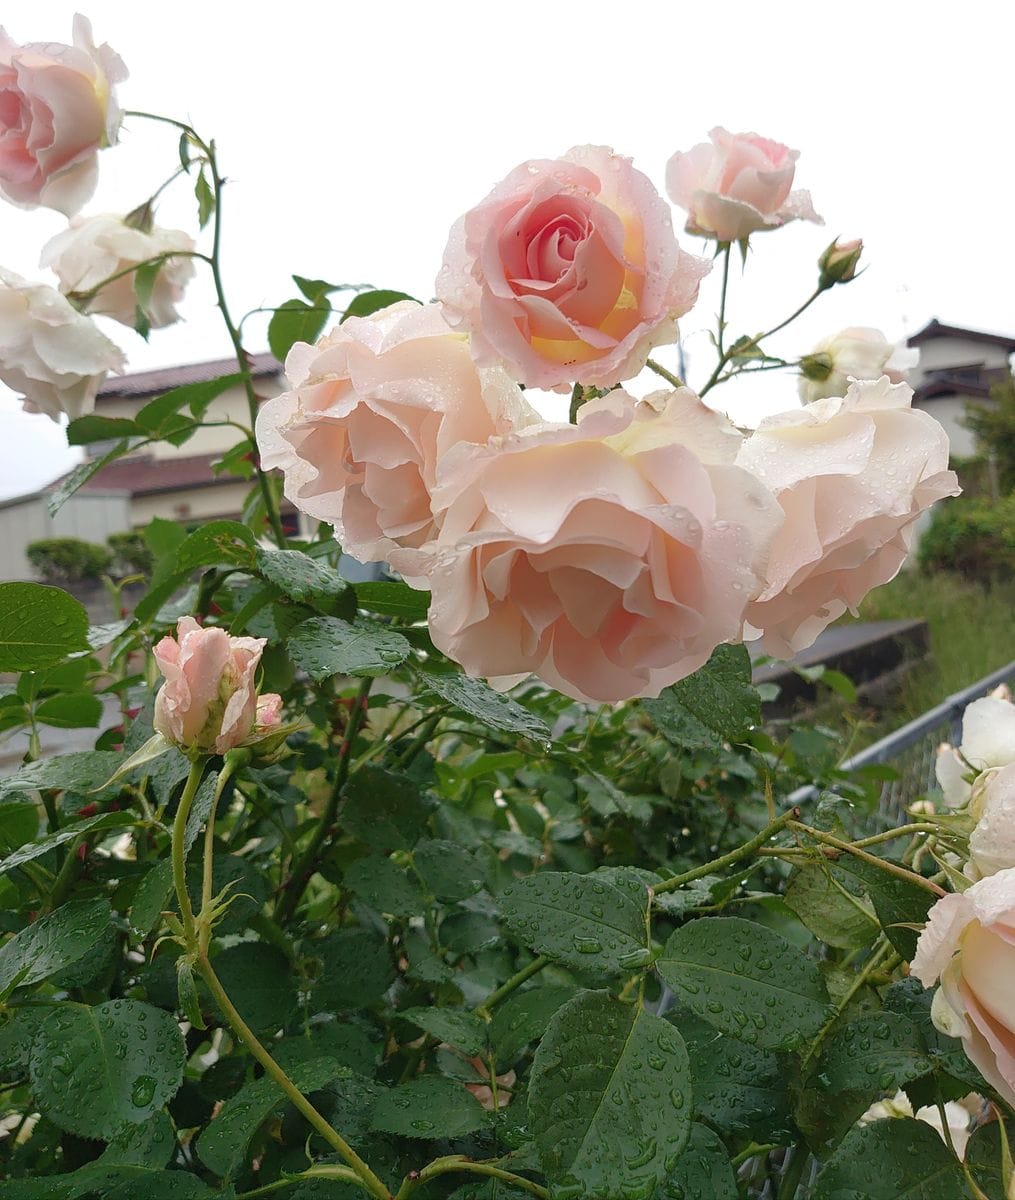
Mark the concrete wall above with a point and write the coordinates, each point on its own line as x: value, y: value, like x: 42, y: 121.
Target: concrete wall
x: 956, y: 352
x: 92, y: 518
x: 950, y: 411
x: 191, y: 504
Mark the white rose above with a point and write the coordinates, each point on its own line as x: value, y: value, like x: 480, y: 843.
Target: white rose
x: 50, y: 354
x: 958, y: 1112
x: 992, y: 842
x: 94, y: 248
x: 854, y: 353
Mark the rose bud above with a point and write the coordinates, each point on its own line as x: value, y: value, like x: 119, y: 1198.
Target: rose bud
x: 838, y: 263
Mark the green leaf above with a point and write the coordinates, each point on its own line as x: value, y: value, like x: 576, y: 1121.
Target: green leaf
x: 100, y: 823
x: 984, y: 1156
x: 93, y: 428
x: 370, y: 302
x: 393, y: 600
x: 704, y: 1170
x: 80, y: 476
x: 205, y: 199
x: 75, y: 710
x: 378, y: 882
x: 898, y: 1159
x: 151, y: 897
x: 53, y: 942
x: 580, y: 920
x: 326, y: 646
x: 610, y: 1097
x: 449, y: 871
x: 95, y: 1069
x: 195, y: 396
x: 746, y: 980
x: 479, y: 700
x: 259, y: 981
x: 218, y: 542
x: 301, y: 578
x: 875, y: 1053
x: 911, y: 999
x: 428, y: 1107
x: 39, y: 626
x: 295, y: 321
x: 384, y: 810
x: 222, y: 1145
x: 119, y: 1181
x: 355, y: 969
x: 739, y: 1090
x: 457, y: 1026
x: 16, y: 1036
x: 83, y: 771
x: 834, y: 909
x: 19, y: 823
x: 896, y: 901
x: 144, y: 283
x: 522, y: 1018
x: 716, y: 704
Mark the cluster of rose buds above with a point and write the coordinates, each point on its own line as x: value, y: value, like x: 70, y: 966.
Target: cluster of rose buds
x: 611, y: 556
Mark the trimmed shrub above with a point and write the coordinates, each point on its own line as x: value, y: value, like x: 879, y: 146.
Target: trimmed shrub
x: 132, y: 554
x: 68, y: 559
x: 972, y: 536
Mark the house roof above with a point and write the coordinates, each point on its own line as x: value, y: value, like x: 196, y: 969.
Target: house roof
x: 155, y: 383
x: 935, y: 329
x: 147, y: 476
x: 953, y: 381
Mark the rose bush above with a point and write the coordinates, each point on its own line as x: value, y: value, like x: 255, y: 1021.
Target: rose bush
x: 564, y: 941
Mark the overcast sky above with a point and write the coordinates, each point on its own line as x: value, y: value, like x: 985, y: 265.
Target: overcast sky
x: 353, y: 135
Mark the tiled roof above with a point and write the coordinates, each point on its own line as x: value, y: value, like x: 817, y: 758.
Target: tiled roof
x: 154, y: 383
x: 146, y: 476
x: 934, y: 329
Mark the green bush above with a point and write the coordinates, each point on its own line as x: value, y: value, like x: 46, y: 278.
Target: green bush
x: 972, y: 536
x: 68, y: 559
x: 132, y: 554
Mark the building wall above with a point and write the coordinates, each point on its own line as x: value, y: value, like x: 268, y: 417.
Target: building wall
x: 22, y: 522
x: 950, y: 411
x: 191, y: 504
x: 956, y: 352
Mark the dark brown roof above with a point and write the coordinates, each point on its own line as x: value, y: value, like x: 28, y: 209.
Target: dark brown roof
x: 936, y: 330
x: 147, y: 476
x: 974, y: 382
x: 154, y: 383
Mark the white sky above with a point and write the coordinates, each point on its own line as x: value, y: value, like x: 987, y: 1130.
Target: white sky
x: 355, y: 133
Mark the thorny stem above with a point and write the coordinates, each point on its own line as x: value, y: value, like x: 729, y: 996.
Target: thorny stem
x: 204, y: 932
x: 882, y: 864
x: 92, y: 292
x: 179, y: 846
x: 673, y: 380
x: 458, y: 1162
x: 242, y: 362
x: 334, y: 1139
x: 325, y: 1171
x: 722, y: 300
x: 880, y: 957
x: 727, y: 860
x: 304, y: 867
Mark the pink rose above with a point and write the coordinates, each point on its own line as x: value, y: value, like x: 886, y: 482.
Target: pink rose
x: 852, y: 475
x: 371, y: 409
x: 969, y: 944
x: 50, y: 353
x: 568, y: 271
x: 57, y: 109
x: 94, y: 248
x: 608, y: 558
x: 269, y: 711
x: 208, y: 703
x: 736, y: 186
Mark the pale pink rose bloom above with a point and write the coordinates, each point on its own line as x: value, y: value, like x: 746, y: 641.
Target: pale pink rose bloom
x: 208, y: 703
x: 988, y: 732
x: 737, y: 185
x: 958, y: 1113
x: 992, y: 842
x: 50, y: 354
x: 854, y: 353
x: 569, y: 270
x: 370, y: 410
x: 57, y: 110
x: 608, y: 558
x: 852, y: 475
x: 269, y: 711
x: 94, y: 248
x: 969, y: 944
x: 951, y: 771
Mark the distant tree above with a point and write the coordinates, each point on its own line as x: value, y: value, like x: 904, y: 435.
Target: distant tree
x: 994, y: 427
